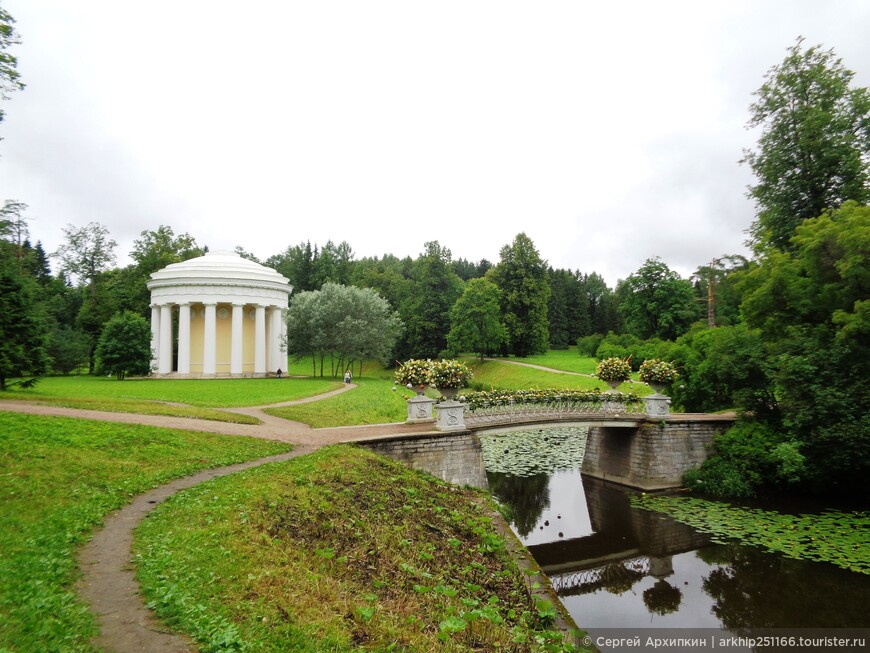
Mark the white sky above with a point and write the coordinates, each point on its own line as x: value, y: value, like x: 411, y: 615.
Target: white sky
x: 608, y: 132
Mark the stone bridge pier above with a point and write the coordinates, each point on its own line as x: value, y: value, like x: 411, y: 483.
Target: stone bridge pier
x: 655, y: 454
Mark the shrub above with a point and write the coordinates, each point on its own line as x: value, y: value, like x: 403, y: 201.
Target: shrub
x: 588, y: 345
x: 748, y: 457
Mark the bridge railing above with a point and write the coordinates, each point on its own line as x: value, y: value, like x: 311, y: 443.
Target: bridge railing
x: 530, y: 405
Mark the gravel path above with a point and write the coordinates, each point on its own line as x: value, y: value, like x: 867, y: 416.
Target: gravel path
x: 108, y: 583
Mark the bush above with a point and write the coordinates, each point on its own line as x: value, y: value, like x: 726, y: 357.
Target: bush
x: 719, y: 479
x: 588, y: 345
x: 748, y: 457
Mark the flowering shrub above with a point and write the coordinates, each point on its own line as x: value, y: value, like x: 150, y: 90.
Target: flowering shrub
x: 495, y: 398
x: 658, y: 371
x: 449, y: 374
x: 613, y: 369
x: 415, y: 372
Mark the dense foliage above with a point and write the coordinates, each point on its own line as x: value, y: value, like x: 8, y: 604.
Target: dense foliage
x: 521, y: 275
x: 124, y: 347
x: 475, y: 319
x: 342, y: 325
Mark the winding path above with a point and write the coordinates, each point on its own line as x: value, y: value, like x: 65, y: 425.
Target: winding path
x: 108, y: 582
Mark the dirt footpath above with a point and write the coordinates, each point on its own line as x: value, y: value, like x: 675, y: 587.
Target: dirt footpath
x: 108, y: 583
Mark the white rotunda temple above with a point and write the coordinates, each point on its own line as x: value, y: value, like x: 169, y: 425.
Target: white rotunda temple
x: 230, y: 316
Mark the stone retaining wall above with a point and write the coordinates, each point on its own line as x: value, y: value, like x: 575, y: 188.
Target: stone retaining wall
x: 455, y: 457
x: 653, y: 456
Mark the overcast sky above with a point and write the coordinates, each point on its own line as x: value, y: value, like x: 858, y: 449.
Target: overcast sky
x: 608, y: 132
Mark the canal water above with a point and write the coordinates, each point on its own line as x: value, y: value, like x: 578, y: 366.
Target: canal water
x: 616, y: 566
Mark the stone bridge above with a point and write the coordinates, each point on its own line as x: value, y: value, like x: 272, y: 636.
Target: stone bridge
x: 637, y: 443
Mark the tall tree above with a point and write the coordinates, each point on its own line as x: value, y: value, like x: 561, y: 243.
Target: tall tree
x: 475, y: 320
x: 814, y: 148
x: 716, y: 287
x: 521, y: 275
x: 155, y: 249
x: 656, y: 303
x: 427, y: 311
x: 22, y: 325
x: 602, y: 305
x: 812, y: 304
x: 88, y: 253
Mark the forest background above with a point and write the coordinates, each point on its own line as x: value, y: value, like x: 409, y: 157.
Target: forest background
x: 781, y: 336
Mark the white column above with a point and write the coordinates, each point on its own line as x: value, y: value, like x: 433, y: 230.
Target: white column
x: 236, y: 346
x: 260, y: 340
x: 164, y: 365
x: 275, y: 341
x: 209, y: 340
x: 155, y: 336
x: 184, y: 338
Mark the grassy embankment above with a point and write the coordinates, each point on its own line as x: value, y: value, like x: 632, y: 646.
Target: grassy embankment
x: 58, y: 479
x: 200, y: 399
x: 340, y: 550
x: 62, y: 476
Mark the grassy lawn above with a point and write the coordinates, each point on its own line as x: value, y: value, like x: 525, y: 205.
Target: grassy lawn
x: 340, y: 550
x: 373, y: 401
x: 504, y: 375
x: 567, y: 360
x: 201, y: 398
x: 58, y: 479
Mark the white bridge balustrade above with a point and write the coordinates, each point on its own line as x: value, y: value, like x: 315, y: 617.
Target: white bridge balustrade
x: 586, y: 407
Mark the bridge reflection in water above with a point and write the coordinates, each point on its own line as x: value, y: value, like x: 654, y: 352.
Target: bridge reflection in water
x: 615, y: 566
x: 622, y: 545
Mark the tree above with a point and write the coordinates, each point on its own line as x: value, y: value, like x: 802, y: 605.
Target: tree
x: 427, y: 311
x: 602, y: 305
x: 156, y: 249
x: 10, y: 78
x: 87, y: 254
x: 68, y: 348
x: 521, y: 275
x: 813, y: 151
x: 716, y: 286
x: 811, y: 305
x: 343, y: 323
x: 656, y: 302
x: 384, y: 275
x: 22, y: 327
x: 88, y: 251
x: 297, y: 264
x: 124, y: 347
x: 474, y: 319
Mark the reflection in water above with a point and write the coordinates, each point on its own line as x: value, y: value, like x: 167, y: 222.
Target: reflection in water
x: 527, y: 497
x: 615, y: 566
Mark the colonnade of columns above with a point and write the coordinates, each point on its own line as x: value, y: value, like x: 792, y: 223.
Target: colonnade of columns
x: 268, y: 331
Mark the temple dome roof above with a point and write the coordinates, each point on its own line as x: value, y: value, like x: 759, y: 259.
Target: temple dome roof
x: 218, y: 268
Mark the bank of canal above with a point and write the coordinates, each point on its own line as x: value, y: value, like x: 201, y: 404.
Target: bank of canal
x: 615, y: 565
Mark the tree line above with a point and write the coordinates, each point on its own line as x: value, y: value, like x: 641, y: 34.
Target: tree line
x: 781, y: 336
